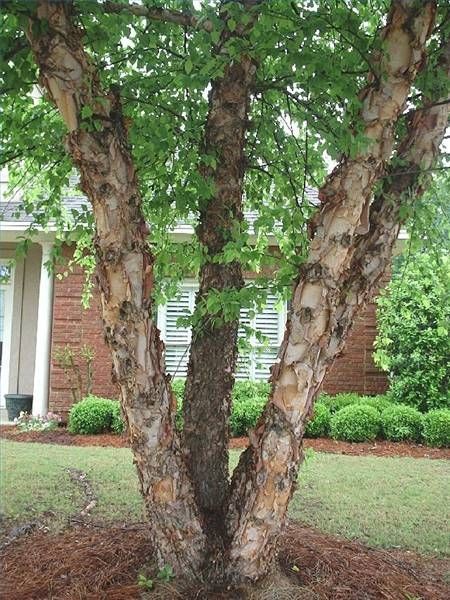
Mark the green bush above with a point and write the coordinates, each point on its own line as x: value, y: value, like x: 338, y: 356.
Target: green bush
x: 117, y: 423
x: 379, y: 402
x: 335, y: 403
x: 319, y: 425
x: 413, y: 343
x: 91, y: 415
x: 436, y: 428
x: 355, y: 423
x: 402, y: 423
x: 178, y: 390
x: 248, y: 401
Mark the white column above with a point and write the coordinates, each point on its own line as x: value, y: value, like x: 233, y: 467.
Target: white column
x: 43, y: 336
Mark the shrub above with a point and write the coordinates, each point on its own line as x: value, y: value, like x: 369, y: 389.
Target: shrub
x: 436, y: 428
x: 402, y: 423
x: 355, y: 423
x: 319, y: 425
x: 117, y: 423
x: 91, y: 415
x: 379, y: 402
x: 413, y: 342
x: 178, y: 390
x: 335, y: 403
x: 248, y: 401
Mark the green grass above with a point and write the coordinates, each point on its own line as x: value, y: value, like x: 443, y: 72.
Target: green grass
x: 386, y: 502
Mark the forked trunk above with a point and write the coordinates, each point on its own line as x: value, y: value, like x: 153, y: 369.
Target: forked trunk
x: 213, y: 352
x: 124, y: 273
x: 265, y: 478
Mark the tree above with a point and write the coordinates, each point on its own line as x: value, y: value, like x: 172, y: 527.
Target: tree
x: 275, y: 105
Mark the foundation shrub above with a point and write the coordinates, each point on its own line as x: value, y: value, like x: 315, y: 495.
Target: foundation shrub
x: 92, y: 415
x: 319, y: 424
x: 436, y: 428
x: 355, y: 423
x: 402, y: 423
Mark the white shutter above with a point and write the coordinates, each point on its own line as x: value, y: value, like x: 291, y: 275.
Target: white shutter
x: 176, y: 338
x: 270, y: 322
x: 253, y: 364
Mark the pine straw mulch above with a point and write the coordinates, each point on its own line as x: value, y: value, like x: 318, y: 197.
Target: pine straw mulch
x: 103, y: 562
x: 378, y: 448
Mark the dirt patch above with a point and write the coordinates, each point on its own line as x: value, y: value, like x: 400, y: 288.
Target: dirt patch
x: 104, y: 562
x: 63, y: 437
x: 378, y: 448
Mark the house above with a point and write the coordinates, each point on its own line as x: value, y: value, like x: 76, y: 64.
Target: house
x: 40, y: 313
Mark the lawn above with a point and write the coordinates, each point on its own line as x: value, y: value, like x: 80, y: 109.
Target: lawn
x: 385, y: 502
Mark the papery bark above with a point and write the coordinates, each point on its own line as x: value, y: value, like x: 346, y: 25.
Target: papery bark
x: 265, y: 478
x: 213, y: 352
x: 125, y: 279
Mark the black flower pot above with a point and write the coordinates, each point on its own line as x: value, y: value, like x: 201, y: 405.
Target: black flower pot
x: 16, y: 403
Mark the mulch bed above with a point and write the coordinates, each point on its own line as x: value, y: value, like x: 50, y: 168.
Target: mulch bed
x: 378, y: 448
x: 96, y: 563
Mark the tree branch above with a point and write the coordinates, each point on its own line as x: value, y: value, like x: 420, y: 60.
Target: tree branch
x: 160, y: 14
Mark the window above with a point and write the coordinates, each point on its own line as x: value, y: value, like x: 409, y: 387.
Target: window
x: 254, y: 364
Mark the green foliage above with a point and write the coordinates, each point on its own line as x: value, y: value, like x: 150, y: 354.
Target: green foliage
x: 319, y: 424
x: 380, y: 402
x: 94, y: 415
x: 355, y: 423
x: 402, y: 424
x: 413, y: 343
x: 338, y: 401
x: 248, y: 401
x: 436, y: 428
x: 178, y: 390
x: 117, y: 423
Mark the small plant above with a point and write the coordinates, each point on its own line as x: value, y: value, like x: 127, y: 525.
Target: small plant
x: 402, y: 423
x: 319, y: 425
x: 92, y: 415
x: 436, y: 428
x: 166, y: 574
x: 248, y: 401
x: 355, y: 423
x: 71, y: 362
x: 27, y: 422
x: 145, y: 582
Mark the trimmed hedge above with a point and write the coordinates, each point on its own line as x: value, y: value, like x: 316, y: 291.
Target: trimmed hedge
x: 355, y: 423
x: 319, y: 425
x: 436, y: 428
x: 94, y: 415
x: 347, y: 417
x: 248, y: 401
x: 402, y: 424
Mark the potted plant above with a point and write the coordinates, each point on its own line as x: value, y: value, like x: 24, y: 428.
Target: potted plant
x: 17, y: 403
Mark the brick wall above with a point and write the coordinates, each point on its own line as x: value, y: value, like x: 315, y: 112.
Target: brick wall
x: 354, y: 371
x: 75, y: 326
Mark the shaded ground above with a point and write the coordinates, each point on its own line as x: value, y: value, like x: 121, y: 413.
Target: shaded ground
x: 96, y: 562
x: 378, y: 448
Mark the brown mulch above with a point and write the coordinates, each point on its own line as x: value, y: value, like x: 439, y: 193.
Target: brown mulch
x: 377, y: 448
x: 96, y: 563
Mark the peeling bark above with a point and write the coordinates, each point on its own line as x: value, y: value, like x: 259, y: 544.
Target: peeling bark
x: 125, y: 279
x: 213, y: 352
x: 264, y: 480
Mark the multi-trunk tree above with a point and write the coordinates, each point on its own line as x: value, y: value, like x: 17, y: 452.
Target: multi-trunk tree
x: 171, y: 113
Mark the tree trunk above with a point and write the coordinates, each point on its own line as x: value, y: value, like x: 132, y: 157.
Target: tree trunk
x: 265, y: 478
x: 124, y: 273
x: 213, y: 352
